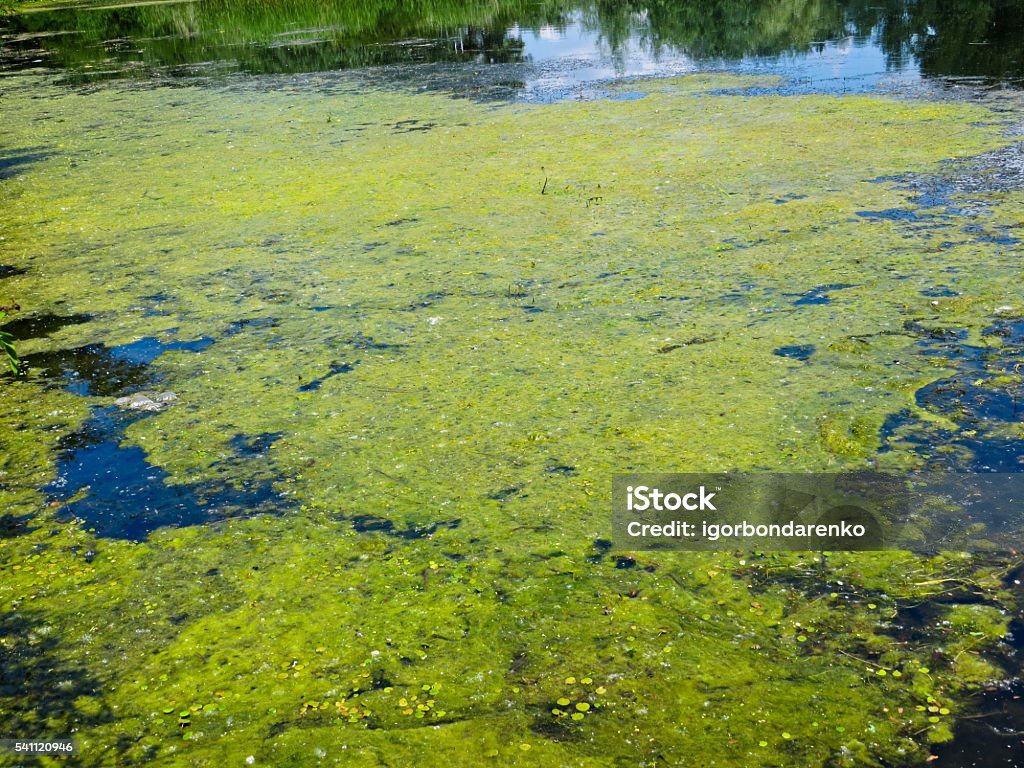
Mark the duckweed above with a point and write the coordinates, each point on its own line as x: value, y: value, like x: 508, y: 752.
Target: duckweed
x: 418, y: 532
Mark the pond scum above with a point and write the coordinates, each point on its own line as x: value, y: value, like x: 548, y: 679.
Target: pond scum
x: 438, y: 327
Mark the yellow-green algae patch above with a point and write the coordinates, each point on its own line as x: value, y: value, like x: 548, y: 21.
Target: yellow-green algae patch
x: 461, y: 319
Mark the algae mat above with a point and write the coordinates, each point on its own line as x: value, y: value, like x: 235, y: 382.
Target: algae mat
x: 411, y: 337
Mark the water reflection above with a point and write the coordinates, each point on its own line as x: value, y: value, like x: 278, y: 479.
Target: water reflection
x: 855, y: 43
x: 557, y: 43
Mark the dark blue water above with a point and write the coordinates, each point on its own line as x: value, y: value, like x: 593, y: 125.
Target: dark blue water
x: 109, y: 484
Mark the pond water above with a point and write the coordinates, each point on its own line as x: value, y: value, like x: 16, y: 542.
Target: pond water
x: 337, y: 319
x: 537, y: 50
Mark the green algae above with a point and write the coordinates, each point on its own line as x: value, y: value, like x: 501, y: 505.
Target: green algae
x: 529, y: 299
x: 262, y: 649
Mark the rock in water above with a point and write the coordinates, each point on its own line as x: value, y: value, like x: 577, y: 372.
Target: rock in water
x: 146, y: 401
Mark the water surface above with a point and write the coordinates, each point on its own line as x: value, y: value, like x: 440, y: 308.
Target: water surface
x: 535, y: 50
